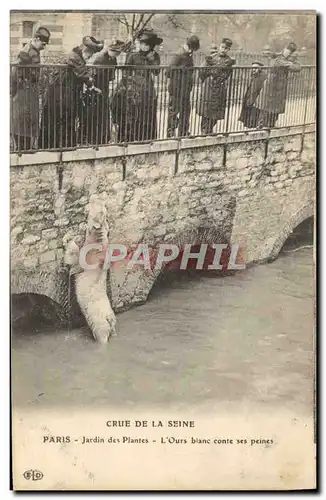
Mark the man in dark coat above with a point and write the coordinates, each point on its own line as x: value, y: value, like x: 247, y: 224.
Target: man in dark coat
x: 218, y: 69
x: 250, y: 113
x: 64, y: 119
x: 272, y: 100
x: 180, y: 74
x: 25, y: 92
x: 99, y: 109
x: 134, y: 104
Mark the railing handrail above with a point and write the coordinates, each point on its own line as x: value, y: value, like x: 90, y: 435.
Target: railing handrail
x: 140, y: 68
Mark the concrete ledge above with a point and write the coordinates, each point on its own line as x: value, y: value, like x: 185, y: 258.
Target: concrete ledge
x: 114, y: 151
x: 93, y: 153
x: 37, y: 158
x: 152, y: 147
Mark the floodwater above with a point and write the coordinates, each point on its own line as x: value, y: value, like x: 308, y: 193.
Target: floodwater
x: 245, y: 339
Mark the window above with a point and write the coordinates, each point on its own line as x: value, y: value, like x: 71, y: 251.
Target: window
x: 28, y: 27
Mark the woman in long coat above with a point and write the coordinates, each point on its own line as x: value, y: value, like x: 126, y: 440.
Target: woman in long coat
x: 67, y: 98
x: 218, y: 69
x: 25, y: 92
x: 272, y: 99
x: 134, y: 105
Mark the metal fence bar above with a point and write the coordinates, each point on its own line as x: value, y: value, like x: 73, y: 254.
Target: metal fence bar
x: 51, y: 109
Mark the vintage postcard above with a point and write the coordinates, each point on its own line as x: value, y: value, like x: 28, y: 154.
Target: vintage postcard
x: 162, y: 209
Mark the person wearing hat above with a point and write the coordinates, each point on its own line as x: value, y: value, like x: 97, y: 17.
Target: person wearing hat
x: 180, y: 75
x: 100, y: 123
x: 134, y: 105
x: 274, y: 92
x: 250, y: 112
x: 65, y: 113
x: 214, y: 76
x: 25, y: 92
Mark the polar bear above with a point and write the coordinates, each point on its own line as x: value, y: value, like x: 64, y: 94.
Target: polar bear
x: 90, y: 284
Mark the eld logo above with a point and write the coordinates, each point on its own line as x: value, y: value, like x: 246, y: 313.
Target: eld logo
x: 35, y: 475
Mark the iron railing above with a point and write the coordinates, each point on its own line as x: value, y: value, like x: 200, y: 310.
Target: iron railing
x: 51, y: 109
x: 241, y: 58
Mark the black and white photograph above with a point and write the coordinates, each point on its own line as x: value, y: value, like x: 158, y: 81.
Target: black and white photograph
x: 163, y: 250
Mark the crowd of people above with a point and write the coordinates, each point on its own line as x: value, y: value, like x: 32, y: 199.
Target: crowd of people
x: 80, y: 104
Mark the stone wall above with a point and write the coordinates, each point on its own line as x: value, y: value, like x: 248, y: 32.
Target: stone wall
x: 247, y: 188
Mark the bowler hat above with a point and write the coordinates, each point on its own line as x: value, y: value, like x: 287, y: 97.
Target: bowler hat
x: 227, y: 42
x: 150, y: 37
x: 117, y: 46
x: 292, y: 47
x: 91, y: 43
x: 193, y: 42
x: 43, y: 34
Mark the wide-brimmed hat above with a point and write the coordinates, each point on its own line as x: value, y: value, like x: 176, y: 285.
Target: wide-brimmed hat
x: 193, y: 42
x: 150, y: 37
x: 117, y: 46
x: 91, y: 43
x: 258, y: 63
x: 43, y: 34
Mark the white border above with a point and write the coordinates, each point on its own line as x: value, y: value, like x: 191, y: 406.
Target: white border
x: 319, y: 6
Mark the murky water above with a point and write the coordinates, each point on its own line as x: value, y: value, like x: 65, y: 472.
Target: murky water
x: 239, y: 340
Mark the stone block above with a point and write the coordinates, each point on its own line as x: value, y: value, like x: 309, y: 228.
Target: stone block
x: 31, y: 262
x: 59, y: 254
x: 284, y: 176
x: 293, y: 144
x: 244, y: 192
x: 16, y: 233
x: 52, y: 244
x: 238, y: 163
x: 49, y: 234
x: 293, y: 155
x: 47, y: 257
x: 30, y: 239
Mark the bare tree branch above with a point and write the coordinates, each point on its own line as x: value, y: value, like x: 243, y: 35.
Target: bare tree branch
x: 147, y: 21
x: 123, y: 20
x: 139, y: 23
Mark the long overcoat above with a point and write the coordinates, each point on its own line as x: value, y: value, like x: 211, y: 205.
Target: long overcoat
x: 215, y: 76
x: 250, y: 112
x: 134, y: 105
x: 64, y: 103
x: 273, y: 96
x: 25, y: 94
x: 181, y: 76
x: 96, y: 113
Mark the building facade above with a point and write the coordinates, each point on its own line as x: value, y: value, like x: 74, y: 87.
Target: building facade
x: 67, y: 30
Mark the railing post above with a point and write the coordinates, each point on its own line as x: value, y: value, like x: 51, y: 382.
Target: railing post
x: 229, y: 84
x: 306, y: 107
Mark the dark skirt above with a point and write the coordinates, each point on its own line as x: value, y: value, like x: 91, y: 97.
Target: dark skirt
x: 134, y: 116
x: 95, y: 121
x: 267, y: 119
x: 75, y: 121
x: 250, y: 116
